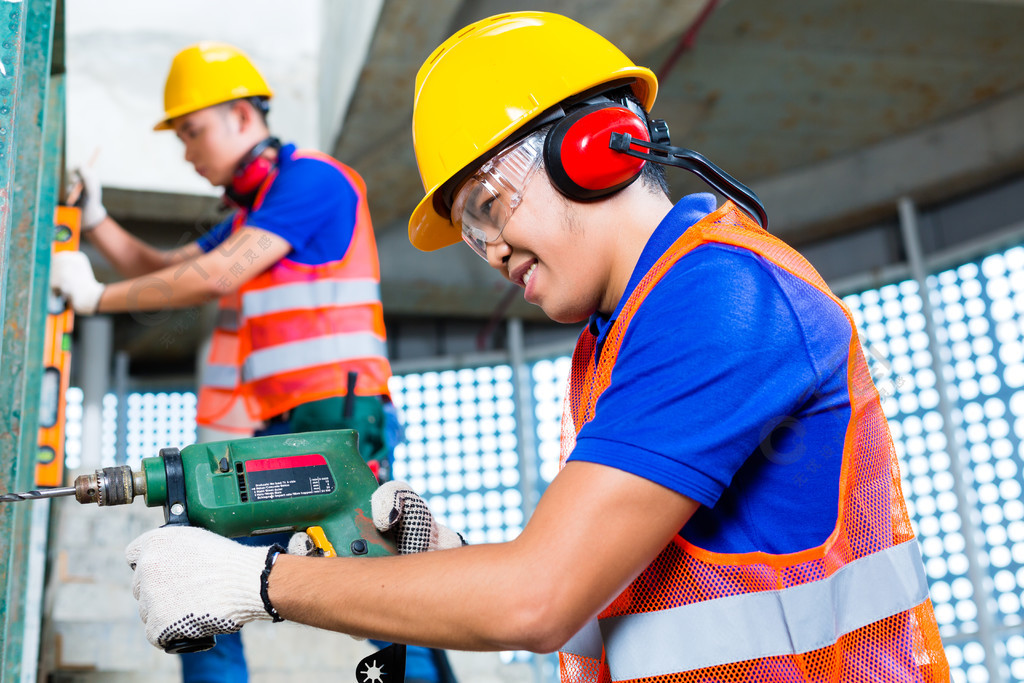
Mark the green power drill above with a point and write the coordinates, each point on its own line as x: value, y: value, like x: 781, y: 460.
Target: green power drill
x: 315, y: 482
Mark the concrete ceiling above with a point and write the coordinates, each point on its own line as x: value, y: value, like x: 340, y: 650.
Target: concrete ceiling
x: 830, y: 110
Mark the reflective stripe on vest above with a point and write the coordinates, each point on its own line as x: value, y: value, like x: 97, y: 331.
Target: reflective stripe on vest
x: 220, y: 376
x: 307, y: 295
x: 335, y: 348
x: 586, y: 643
x: 721, y: 631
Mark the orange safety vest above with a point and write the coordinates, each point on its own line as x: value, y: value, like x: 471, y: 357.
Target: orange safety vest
x: 293, y: 333
x: 855, y: 608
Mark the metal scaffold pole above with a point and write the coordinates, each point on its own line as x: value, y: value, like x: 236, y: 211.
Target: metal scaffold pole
x: 915, y: 258
x: 29, y: 172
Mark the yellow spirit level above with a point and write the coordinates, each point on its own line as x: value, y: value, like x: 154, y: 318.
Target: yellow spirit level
x: 60, y: 321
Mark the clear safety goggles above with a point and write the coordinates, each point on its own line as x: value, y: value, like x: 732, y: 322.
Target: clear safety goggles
x: 486, y: 201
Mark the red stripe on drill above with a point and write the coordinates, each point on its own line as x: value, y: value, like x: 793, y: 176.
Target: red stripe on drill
x: 285, y: 463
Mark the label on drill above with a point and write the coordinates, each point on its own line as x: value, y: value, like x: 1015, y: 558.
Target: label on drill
x: 288, y: 477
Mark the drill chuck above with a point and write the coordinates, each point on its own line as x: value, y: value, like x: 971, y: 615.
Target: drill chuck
x: 110, y: 486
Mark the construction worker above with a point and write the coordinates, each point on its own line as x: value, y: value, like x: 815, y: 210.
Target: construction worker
x: 295, y: 268
x: 728, y: 506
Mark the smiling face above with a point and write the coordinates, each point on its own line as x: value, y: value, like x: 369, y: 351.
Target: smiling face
x: 216, y: 139
x: 575, y: 258
x: 555, y: 251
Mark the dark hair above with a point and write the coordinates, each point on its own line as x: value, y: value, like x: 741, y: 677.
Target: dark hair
x: 259, y: 103
x: 262, y: 105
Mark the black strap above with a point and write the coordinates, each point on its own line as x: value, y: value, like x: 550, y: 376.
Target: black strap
x: 348, y: 405
x: 272, y: 553
x: 697, y: 164
x: 176, y: 506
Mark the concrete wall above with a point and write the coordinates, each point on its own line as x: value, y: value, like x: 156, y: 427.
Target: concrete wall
x: 119, y: 52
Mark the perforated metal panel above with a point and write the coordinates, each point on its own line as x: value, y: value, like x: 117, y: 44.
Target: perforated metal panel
x: 549, y: 382
x: 460, y: 448
x: 978, y: 313
x: 155, y: 420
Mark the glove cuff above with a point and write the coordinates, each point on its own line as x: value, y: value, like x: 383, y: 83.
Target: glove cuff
x: 272, y: 553
x: 87, y: 300
x: 92, y: 215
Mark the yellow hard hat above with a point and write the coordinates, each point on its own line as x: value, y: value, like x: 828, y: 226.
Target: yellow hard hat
x: 490, y: 80
x: 206, y: 74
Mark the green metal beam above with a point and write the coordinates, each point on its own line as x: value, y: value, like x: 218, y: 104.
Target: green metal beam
x: 28, y: 177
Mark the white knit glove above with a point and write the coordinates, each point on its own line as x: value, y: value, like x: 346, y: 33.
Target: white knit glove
x: 91, y: 201
x: 300, y: 543
x: 191, y: 583
x: 71, y: 276
x: 404, y: 517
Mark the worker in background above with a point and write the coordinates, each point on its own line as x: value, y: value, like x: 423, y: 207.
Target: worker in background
x: 729, y: 504
x: 295, y: 269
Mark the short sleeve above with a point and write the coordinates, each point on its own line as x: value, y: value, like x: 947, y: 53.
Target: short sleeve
x: 311, y: 205
x: 217, y: 234
x: 711, y: 361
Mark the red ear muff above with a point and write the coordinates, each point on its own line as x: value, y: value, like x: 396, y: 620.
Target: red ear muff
x: 579, y: 160
x: 251, y: 175
x: 252, y: 170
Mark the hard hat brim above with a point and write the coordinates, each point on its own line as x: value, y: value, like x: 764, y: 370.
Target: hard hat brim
x: 428, y: 230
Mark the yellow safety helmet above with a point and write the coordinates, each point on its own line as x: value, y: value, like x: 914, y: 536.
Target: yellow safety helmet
x: 490, y: 80
x: 206, y: 74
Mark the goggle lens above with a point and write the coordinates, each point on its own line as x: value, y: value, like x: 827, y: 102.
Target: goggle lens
x: 485, y: 203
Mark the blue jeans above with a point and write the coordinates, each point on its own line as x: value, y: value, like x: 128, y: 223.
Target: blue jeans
x: 225, y: 663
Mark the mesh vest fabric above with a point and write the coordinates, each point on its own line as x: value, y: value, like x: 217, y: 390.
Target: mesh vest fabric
x: 292, y: 334
x: 872, y: 524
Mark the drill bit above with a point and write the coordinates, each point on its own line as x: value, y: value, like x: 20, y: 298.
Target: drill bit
x: 34, y: 495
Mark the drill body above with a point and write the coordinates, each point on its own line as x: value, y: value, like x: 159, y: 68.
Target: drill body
x: 315, y: 482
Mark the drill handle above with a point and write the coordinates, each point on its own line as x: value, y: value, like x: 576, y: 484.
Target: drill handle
x: 176, y: 514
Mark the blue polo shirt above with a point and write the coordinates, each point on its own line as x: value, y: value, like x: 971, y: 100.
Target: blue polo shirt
x: 729, y: 388
x: 310, y: 204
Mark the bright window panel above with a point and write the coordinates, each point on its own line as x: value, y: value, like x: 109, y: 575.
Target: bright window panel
x: 460, y: 449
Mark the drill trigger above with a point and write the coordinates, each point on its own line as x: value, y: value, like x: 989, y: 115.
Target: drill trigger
x: 319, y: 538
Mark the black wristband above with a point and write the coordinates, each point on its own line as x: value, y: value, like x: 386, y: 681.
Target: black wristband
x: 272, y: 553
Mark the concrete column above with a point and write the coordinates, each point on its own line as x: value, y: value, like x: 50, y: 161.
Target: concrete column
x: 958, y: 466
x: 121, y: 361
x: 96, y: 344
x: 525, y: 427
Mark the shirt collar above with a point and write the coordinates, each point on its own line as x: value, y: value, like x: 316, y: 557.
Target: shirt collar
x: 284, y: 155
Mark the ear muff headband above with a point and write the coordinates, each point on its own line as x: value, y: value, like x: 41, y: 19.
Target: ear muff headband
x: 663, y: 153
x: 578, y: 155
x: 602, y: 147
